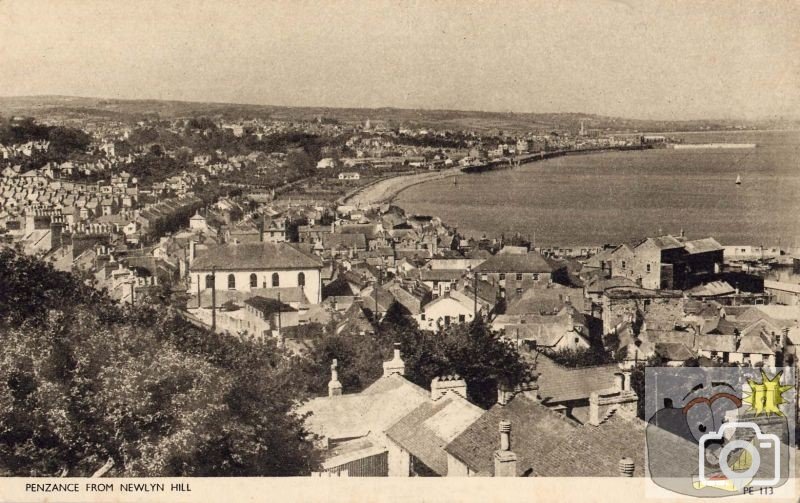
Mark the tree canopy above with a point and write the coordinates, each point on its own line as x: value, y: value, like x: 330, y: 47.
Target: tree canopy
x: 470, y: 350
x: 84, y: 381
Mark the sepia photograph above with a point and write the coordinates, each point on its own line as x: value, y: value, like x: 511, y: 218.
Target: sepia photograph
x: 392, y: 250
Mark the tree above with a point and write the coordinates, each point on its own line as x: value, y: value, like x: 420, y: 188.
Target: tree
x: 84, y: 381
x: 471, y: 350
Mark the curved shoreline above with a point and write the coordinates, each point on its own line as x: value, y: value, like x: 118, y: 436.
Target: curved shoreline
x: 387, y: 189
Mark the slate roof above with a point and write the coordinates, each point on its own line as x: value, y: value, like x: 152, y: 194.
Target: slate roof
x: 334, y: 241
x: 665, y: 242
x: 512, y: 263
x: 724, y: 343
x: 595, y: 451
x: 426, y: 430
x: 292, y: 294
x: 545, y: 300
x: 599, y: 285
x: 535, y: 429
x: 440, y: 274
x: 268, y: 306
x: 561, y: 384
x: 254, y: 256
x: 704, y: 245
x: 755, y: 343
x: 373, y: 410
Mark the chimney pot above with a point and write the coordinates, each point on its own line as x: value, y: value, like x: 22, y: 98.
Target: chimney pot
x: 626, y: 467
x: 334, y: 386
x: 505, y: 461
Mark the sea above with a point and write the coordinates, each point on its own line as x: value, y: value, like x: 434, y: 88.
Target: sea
x: 616, y: 197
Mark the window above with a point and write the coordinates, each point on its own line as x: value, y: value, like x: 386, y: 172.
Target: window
x: 519, y: 276
x: 484, y: 277
x: 519, y: 290
x: 447, y: 321
x: 535, y: 277
x: 276, y: 282
x: 231, y: 281
x: 623, y: 264
x: 502, y: 276
x: 648, y: 267
x: 462, y: 318
x: 301, y: 279
x: 422, y: 316
x: 209, y: 281
x: 253, y: 281
x: 577, y: 340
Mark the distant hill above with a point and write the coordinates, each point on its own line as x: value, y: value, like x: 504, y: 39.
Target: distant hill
x: 69, y: 107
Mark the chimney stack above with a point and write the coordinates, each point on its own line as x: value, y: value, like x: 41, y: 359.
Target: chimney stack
x: 619, y: 381
x: 440, y: 386
x: 395, y: 365
x: 504, y: 394
x: 334, y: 386
x: 505, y: 461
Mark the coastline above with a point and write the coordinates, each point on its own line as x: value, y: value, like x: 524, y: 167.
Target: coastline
x: 387, y: 189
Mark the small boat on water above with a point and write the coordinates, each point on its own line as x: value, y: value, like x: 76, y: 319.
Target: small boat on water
x: 738, y: 180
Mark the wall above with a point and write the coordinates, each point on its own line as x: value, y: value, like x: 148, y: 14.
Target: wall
x: 399, y: 460
x: 456, y: 468
x: 287, y: 278
x: 658, y: 309
x: 510, y: 283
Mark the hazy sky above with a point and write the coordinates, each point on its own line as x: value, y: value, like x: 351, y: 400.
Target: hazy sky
x: 641, y: 59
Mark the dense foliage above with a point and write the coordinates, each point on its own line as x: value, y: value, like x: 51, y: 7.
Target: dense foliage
x: 84, y: 381
x: 471, y: 350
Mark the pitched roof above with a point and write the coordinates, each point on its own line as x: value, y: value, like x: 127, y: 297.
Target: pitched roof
x: 535, y: 429
x: 427, y: 430
x: 254, y: 256
x: 561, y: 384
x: 664, y: 242
x: 755, y: 343
x: 702, y: 246
x: 595, y: 451
x: 373, y: 410
x: 334, y: 241
x: 544, y: 300
x: 513, y: 263
x: 440, y: 274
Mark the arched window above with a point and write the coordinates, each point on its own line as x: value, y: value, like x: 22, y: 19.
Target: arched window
x: 275, y: 281
x: 301, y: 279
x: 209, y: 281
x: 231, y: 281
x: 253, y: 281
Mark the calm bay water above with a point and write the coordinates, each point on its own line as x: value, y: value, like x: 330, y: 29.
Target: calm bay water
x: 624, y: 196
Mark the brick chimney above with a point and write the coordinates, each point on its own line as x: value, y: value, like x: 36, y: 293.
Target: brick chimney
x: 334, y: 386
x: 505, y: 461
x: 396, y: 364
x: 440, y: 386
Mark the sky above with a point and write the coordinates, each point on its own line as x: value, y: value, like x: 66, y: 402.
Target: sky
x: 637, y: 59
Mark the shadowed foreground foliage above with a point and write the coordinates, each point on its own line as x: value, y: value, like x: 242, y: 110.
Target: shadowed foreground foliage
x: 83, y: 380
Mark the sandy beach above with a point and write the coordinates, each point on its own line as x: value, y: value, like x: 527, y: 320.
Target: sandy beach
x: 386, y: 190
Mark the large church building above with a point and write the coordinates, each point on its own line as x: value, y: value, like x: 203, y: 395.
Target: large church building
x: 245, y: 267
